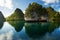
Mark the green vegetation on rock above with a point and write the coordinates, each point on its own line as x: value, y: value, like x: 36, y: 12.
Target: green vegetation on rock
x: 35, y: 8
x: 35, y: 12
x: 16, y: 16
x: 38, y: 10
x: 52, y: 14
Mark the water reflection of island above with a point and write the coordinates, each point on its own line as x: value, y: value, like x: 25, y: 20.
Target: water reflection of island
x: 35, y: 30
x: 1, y: 24
x: 18, y: 25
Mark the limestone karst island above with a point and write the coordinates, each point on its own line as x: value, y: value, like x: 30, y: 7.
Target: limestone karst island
x: 34, y: 12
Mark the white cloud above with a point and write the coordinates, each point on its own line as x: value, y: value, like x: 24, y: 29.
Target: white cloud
x: 59, y: 10
x: 7, y: 36
x: 6, y: 3
x: 24, y: 12
x: 50, y: 1
x: 53, y: 3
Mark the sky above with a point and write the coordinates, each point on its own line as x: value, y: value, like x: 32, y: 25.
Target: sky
x: 8, y: 6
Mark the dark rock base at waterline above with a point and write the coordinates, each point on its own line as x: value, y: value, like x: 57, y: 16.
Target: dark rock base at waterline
x: 36, y: 21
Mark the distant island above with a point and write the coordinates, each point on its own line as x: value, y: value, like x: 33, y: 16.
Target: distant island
x: 16, y: 16
x: 34, y: 12
x: 2, y: 19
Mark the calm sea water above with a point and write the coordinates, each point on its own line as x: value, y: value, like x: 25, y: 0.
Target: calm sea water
x: 16, y: 30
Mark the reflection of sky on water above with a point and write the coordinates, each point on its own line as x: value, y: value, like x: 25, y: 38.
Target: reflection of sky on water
x: 21, y: 35
x: 7, y: 32
x: 55, y: 35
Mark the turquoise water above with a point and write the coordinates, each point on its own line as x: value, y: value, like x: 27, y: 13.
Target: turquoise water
x: 16, y: 30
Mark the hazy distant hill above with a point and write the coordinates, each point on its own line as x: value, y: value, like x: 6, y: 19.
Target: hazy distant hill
x: 2, y: 19
x: 17, y: 15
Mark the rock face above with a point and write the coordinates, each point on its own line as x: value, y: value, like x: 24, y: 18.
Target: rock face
x: 32, y: 19
x: 2, y: 19
x: 17, y: 15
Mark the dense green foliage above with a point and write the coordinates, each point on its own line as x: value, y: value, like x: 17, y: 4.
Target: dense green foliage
x: 17, y: 15
x: 35, y: 8
x: 40, y: 10
x: 52, y: 14
x: 57, y: 17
